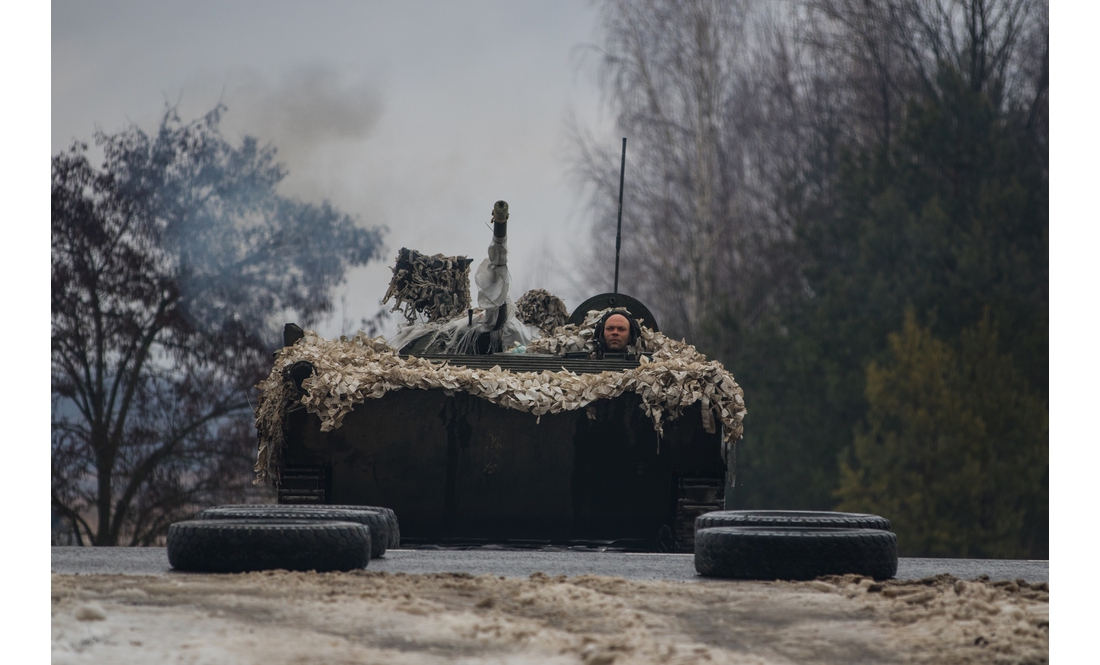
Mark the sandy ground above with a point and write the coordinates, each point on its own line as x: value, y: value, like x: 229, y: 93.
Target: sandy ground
x: 370, y: 617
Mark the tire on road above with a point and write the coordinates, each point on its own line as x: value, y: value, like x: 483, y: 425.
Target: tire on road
x: 380, y: 524
x: 395, y: 529
x: 234, y: 546
x: 794, y: 553
x: 816, y: 519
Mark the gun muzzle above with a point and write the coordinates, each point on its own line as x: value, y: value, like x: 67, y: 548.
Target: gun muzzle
x: 500, y: 219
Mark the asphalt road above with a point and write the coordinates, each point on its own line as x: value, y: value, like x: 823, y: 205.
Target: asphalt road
x: 635, y: 566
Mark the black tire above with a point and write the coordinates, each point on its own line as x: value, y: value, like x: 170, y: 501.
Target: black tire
x: 235, y: 546
x: 815, y: 519
x: 777, y: 553
x: 395, y: 528
x: 378, y: 523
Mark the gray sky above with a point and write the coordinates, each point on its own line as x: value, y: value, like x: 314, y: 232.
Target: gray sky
x: 415, y: 115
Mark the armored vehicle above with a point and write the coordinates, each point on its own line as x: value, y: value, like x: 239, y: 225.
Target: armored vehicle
x: 472, y: 438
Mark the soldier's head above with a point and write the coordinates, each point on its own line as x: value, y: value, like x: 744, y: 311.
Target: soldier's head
x: 615, y: 331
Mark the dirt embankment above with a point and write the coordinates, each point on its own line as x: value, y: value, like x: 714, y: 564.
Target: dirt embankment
x: 367, y: 617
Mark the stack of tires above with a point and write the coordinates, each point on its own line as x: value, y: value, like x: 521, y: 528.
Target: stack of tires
x: 239, y: 538
x: 793, y: 545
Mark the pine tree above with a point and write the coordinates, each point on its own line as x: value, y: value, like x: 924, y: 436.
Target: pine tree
x: 953, y: 450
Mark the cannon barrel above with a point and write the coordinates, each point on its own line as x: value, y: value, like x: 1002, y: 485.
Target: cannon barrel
x: 500, y: 219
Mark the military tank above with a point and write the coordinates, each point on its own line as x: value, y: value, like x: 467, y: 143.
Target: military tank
x: 505, y: 423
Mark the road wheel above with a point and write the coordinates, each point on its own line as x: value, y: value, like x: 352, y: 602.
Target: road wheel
x: 815, y: 519
x: 233, y: 546
x: 379, y: 523
x: 794, y: 553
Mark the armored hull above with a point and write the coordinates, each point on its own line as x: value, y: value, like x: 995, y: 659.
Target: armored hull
x: 459, y: 469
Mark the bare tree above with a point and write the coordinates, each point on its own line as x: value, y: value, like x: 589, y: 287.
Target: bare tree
x: 769, y: 213
x: 171, y: 268
x: 890, y: 50
x: 737, y: 114
x: 693, y: 90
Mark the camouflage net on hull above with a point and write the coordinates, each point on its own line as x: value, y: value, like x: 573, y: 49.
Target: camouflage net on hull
x: 350, y: 371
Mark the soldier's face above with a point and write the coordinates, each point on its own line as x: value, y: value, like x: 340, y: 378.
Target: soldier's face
x: 616, y: 333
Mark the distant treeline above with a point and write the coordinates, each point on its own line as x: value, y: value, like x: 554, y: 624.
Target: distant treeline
x: 846, y: 203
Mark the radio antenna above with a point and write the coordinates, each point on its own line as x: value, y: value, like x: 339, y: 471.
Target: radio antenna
x: 619, y: 229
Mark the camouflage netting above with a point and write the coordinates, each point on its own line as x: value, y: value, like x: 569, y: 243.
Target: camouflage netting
x: 542, y: 309
x: 436, y: 286
x: 348, y: 372
x: 277, y: 395
x: 575, y: 338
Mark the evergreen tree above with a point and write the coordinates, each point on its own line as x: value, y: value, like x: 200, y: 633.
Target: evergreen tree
x: 953, y: 449
x: 952, y: 222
